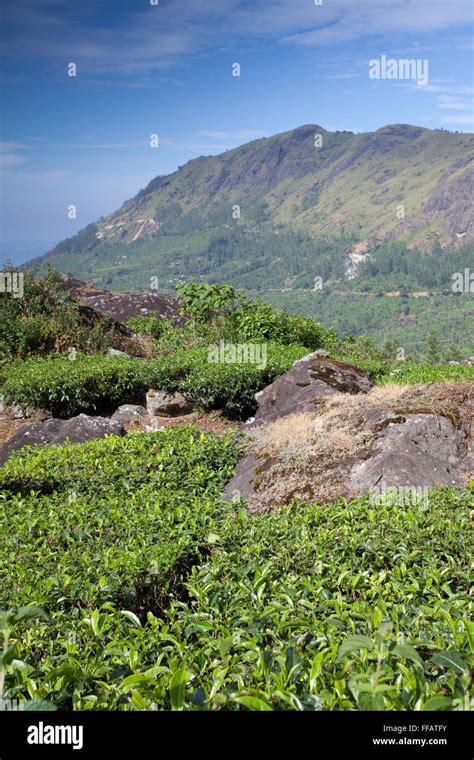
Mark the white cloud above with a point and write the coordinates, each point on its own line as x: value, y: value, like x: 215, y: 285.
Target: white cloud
x: 451, y: 104
x: 467, y: 120
x: 8, y: 155
x: 343, y: 20
x: 148, y: 38
x: 449, y: 97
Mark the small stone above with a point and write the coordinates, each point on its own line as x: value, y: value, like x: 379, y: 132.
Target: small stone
x: 128, y: 412
x: 116, y: 352
x: 163, y: 404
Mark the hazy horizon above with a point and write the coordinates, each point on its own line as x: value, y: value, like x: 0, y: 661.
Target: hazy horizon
x: 168, y: 70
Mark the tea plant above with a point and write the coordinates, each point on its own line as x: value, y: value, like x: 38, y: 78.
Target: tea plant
x: 100, y: 383
x: 160, y: 596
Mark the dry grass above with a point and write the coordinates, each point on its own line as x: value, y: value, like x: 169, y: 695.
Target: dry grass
x: 207, y: 421
x: 388, y: 392
x: 312, y: 454
x: 288, y: 434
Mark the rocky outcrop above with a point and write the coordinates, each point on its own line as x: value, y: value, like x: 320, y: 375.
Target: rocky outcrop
x: 163, y: 404
x: 121, y: 306
x: 411, y: 450
x: 75, y: 430
x: 397, y: 437
x: 307, y: 384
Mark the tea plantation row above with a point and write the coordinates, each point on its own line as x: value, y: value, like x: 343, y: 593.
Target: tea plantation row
x: 95, y: 384
x: 153, y: 594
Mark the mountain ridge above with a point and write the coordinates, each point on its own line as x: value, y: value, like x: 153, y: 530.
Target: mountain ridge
x: 401, y: 182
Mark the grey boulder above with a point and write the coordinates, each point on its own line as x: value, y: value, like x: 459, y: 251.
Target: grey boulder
x: 308, y: 383
x: 128, y: 412
x: 412, y: 450
x: 75, y: 430
x: 163, y: 404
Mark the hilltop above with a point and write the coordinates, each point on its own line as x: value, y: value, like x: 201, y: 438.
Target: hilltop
x: 282, y: 210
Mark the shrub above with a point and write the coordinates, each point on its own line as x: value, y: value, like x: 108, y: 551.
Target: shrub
x: 412, y: 373
x: 150, y: 324
x: 260, y: 321
x: 118, y: 512
x: 46, y: 320
x: 204, y: 303
x: 101, y: 383
x: 64, y: 387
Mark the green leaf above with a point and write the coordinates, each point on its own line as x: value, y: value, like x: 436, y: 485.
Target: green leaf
x: 133, y: 680
x: 450, y: 660
x: 137, y: 701
x: 316, y: 669
x: 354, y: 644
x: 28, y: 613
x: 469, y: 626
x: 178, y: 688
x: 253, y: 703
x: 438, y: 703
x: 408, y: 653
x: 132, y: 617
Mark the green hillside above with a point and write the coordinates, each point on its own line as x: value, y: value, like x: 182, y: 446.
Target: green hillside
x: 273, y: 198
x: 366, y: 213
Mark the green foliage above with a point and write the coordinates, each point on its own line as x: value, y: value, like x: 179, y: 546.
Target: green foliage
x: 232, y: 387
x: 122, y: 513
x: 67, y: 387
x: 230, y: 315
x: 383, y: 366
x: 392, y: 265
x: 358, y: 349
x: 101, y: 383
x: 149, y: 324
x: 205, y: 302
x: 160, y: 597
x: 260, y: 322
x: 416, y: 374
x: 45, y: 320
x: 405, y: 320
x: 10, y: 621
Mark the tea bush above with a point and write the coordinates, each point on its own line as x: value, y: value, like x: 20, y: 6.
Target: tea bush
x: 116, y: 512
x: 411, y: 373
x: 149, y: 324
x: 101, y: 383
x: 159, y: 596
x: 67, y: 387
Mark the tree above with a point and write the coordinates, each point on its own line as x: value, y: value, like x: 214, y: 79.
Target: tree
x: 434, y: 347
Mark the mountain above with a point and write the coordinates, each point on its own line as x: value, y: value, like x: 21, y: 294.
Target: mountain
x: 280, y: 211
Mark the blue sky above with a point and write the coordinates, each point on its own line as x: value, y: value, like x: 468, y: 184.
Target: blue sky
x: 167, y: 69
